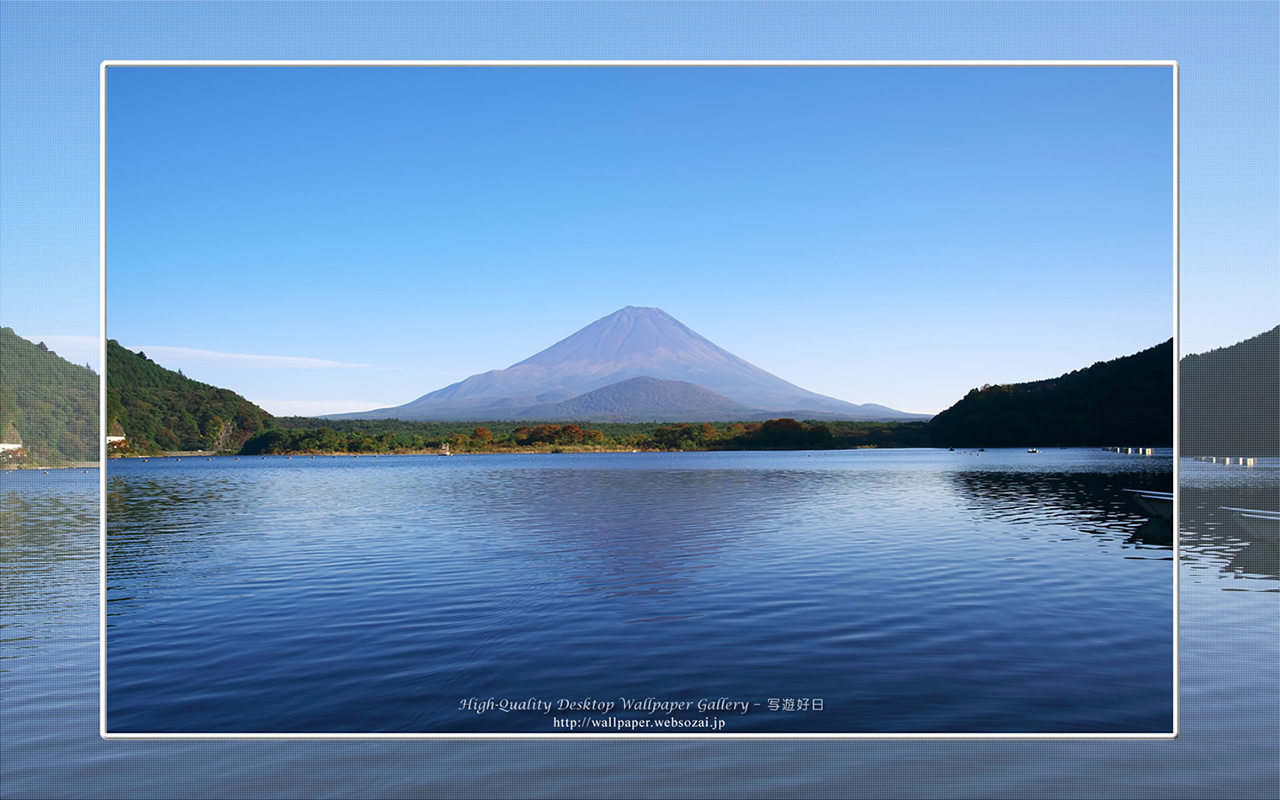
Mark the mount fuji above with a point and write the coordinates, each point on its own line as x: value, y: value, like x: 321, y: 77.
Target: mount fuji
x: 637, y: 364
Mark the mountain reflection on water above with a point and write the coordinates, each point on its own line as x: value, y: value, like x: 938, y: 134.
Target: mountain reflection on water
x: 606, y: 536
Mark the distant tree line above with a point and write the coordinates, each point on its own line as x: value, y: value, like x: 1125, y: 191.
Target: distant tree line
x: 305, y: 435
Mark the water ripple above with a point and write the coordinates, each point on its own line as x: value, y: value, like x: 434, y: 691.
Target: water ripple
x: 323, y: 595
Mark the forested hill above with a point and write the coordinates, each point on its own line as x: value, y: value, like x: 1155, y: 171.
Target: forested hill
x: 1230, y: 399
x: 1125, y: 402
x: 158, y: 409
x: 46, y: 402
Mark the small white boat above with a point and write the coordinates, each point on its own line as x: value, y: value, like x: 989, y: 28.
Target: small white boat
x: 1156, y: 504
x: 1258, y: 522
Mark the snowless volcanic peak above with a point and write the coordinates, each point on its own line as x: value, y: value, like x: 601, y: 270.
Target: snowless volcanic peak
x: 646, y: 342
x: 632, y: 335
x: 633, y: 342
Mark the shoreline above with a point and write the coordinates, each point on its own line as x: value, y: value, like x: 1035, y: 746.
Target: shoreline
x: 336, y: 454
x: 569, y: 450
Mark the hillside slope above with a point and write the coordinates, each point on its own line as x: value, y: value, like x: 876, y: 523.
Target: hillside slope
x: 1124, y: 402
x: 159, y: 409
x: 47, y: 402
x: 1230, y: 399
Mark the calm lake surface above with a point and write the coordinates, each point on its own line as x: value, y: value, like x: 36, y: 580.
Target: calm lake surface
x: 912, y: 591
x: 1229, y: 746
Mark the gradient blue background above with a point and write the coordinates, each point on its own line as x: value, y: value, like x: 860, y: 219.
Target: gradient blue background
x: 1230, y: 58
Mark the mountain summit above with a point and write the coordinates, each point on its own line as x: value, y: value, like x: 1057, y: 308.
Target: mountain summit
x: 628, y: 344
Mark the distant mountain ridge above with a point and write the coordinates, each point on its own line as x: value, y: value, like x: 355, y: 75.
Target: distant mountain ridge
x: 631, y: 343
x: 641, y: 398
x: 1230, y: 404
x: 1127, y: 401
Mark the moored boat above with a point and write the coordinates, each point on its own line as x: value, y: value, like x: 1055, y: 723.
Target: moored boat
x: 1259, y: 522
x: 1156, y: 504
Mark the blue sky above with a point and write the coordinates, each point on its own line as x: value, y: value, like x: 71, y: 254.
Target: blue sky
x: 893, y: 236
x: 881, y: 234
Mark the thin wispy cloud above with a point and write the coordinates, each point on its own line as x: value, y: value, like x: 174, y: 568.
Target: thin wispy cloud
x: 313, y: 408
x: 191, y: 355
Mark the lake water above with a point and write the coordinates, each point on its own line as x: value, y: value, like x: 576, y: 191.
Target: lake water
x: 1230, y: 688
x: 908, y: 591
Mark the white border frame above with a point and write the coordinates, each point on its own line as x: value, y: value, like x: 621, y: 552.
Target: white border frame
x: 102, y: 407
